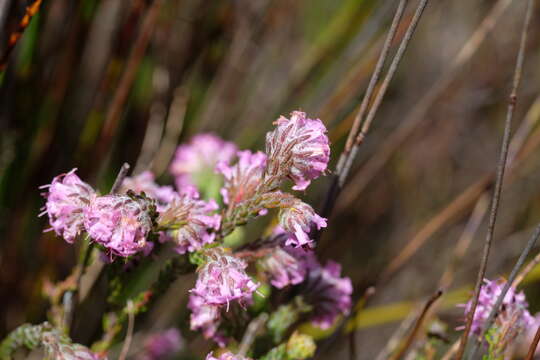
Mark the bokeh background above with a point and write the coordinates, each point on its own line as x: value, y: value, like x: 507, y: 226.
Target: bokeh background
x: 95, y: 83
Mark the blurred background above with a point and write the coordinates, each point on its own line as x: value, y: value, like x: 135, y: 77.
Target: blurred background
x: 95, y: 83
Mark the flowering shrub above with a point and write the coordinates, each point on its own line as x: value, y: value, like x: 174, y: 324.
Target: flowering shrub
x: 143, y: 218
x: 250, y: 295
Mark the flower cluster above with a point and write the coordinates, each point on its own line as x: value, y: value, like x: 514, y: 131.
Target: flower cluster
x: 514, y: 307
x: 199, y: 157
x: 67, y: 197
x: 223, y: 279
x: 188, y: 222
x: 161, y: 345
x: 206, y: 318
x: 119, y: 222
x: 328, y: 293
x: 128, y: 222
x: 298, y: 148
x: 297, y: 220
x: 283, y: 268
x: 243, y: 179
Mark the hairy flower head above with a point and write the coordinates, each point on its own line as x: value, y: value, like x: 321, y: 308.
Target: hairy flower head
x: 223, y: 279
x: 298, y: 148
x: 120, y: 223
x: 514, y: 307
x: 298, y: 220
x: 188, y: 222
x: 243, y: 178
x: 67, y: 197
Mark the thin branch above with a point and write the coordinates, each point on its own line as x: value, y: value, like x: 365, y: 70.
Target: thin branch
x: 343, y: 167
x: 382, y: 91
x: 129, y: 334
x: 526, y: 270
x: 418, y: 114
x: 375, y: 76
x: 465, y: 240
x: 417, y: 326
x: 30, y: 11
x: 120, y: 178
x: 128, y: 76
x: 336, y: 185
x: 370, y: 291
x: 398, y: 334
x: 534, y: 345
x: 518, y: 152
x: 499, y: 178
x: 251, y: 332
x: 495, y: 309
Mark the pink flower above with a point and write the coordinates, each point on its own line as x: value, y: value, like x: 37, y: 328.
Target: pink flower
x: 328, y: 293
x: 225, y: 356
x: 283, y: 268
x: 199, y: 158
x: 206, y: 318
x: 67, y: 197
x: 298, y: 221
x: 513, y: 305
x: 161, y: 345
x: 145, y: 182
x: 223, y: 279
x: 118, y: 222
x: 242, y: 179
x: 297, y: 148
x: 187, y: 221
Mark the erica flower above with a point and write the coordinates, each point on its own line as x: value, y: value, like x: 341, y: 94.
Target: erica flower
x: 297, y: 148
x: 161, y: 345
x: 298, y: 220
x: 223, y: 279
x: 282, y: 268
x: 119, y: 222
x: 243, y: 178
x: 199, y: 157
x: 206, y: 318
x: 144, y: 182
x: 187, y: 222
x: 225, y: 356
x: 328, y: 293
x: 514, y: 307
x: 67, y: 197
